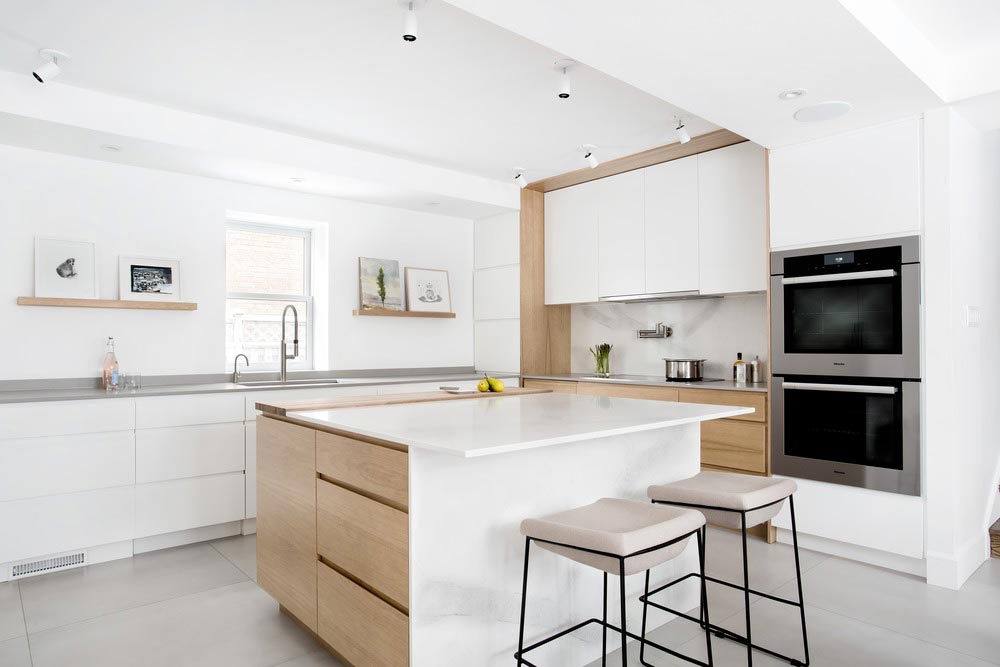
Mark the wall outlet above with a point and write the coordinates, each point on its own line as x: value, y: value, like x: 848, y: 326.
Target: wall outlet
x: 972, y: 316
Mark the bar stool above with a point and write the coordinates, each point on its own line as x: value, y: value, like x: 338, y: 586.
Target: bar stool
x: 739, y: 502
x: 622, y: 537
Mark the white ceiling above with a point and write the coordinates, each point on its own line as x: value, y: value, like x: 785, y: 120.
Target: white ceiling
x: 467, y: 95
x: 956, y: 27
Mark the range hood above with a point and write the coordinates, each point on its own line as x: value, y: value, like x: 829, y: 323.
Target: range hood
x: 658, y: 296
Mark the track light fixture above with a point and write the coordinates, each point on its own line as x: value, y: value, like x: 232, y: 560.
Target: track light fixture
x: 681, y: 132
x: 51, y: 68
x: 410, y: 18
x: 588, y: 155
x: 519, y: 178
x: 565, y: 85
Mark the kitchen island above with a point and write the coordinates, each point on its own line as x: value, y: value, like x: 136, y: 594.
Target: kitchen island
x: 391, y: 531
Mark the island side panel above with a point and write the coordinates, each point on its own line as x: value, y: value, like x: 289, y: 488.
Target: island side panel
x: 466, y: 551
x: 286, y: 516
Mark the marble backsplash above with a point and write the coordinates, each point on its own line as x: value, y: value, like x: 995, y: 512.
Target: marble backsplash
x: 711, y: 329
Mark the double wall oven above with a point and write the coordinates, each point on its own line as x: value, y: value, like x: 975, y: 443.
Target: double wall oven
x: 845, y: 362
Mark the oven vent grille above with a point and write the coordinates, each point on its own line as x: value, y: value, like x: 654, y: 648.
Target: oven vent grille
x: 44, y: 565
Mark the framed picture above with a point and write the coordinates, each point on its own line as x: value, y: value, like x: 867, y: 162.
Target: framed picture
x: 149, y: 279
x: 428, y: 290
x: 65, y: 269
x: 379, y: 283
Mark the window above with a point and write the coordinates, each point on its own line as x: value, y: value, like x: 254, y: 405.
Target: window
x: 267, y: 268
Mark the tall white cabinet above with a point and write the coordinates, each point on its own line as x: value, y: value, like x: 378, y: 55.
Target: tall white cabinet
x: 696, y: 224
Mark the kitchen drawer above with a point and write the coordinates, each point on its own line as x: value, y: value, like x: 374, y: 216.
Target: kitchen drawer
x: 188, y: 451
x: 743, y: 399
x: 180, y: 504
x: 558, y: 386
x: 53, y: 465
x: 56, y: 524
x: 31, y: 420
x: 730, y: 443
x: 364, y: 538
x: 627, y: 391
x: 371, y: 469
x: 163, y: 411
x: 364, y: 629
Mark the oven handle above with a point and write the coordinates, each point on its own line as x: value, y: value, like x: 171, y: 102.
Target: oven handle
x: 848, y: 388
x: 837, y: 277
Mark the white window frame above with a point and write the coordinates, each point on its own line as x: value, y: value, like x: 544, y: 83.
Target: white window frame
x: 303, y: 362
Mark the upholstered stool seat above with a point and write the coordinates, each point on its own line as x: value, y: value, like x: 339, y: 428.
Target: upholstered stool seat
x: 619, y: 537
x: 763, y: 496
x: 615, y: 526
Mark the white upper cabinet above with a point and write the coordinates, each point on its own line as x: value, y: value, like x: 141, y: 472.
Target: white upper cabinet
x: 847, y: 187
x: 671, y: 230
x: 620, y: 261
x: 571, y: 244
x: 732, y: 220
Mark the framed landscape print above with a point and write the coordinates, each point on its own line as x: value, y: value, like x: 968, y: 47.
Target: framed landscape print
x: 149, y: 279
x: 379, y: 284
x: 65, y: 269
x: 428, y: 290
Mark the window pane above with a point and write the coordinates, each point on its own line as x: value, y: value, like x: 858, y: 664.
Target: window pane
x: 253, y: 327
x: 262, y: 262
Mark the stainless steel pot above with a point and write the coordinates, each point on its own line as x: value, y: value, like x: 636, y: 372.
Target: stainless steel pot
x: 685, y: 369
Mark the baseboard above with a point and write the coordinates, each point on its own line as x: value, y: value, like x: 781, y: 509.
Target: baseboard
x: 190, y: 536
x: 249, y: 526
x: 952, y: 570
x: 99, y: 554
x: 877, y: 557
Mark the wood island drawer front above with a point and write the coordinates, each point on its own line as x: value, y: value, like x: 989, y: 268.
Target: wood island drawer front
x: 743, y: 399
x: 380, y: 471
x: 366, y: 539
x: 628, y: 391
x: 365, y: 630
x: 734, y: 444
x: 558, y: 386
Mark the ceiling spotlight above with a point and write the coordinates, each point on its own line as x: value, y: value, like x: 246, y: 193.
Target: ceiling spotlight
x: 588, y: 155
x: 792, y: 94
x: 565, y: 86
x: 519, y: 178
x: 410, y: 18
x: 681, y: 132
x: 51, y: 68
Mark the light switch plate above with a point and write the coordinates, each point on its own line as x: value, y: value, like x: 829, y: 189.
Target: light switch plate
x: 972, y: 316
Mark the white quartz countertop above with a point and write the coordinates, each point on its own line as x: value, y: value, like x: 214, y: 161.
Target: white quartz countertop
x: 501, y: 424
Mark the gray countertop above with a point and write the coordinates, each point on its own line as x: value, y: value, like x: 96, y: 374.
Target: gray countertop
x: 79, y: 394
x: 654, y: 381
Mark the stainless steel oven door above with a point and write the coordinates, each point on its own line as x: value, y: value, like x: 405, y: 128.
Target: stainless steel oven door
x: 903, y: 361
x: 855, y: 432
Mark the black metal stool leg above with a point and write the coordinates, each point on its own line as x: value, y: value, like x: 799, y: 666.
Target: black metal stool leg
x: 704, y: 593
x: 645, y: 607
x: 621, y: 575
x: 604, y: 620
x: 704, y: 597
x: 746, y: 588
x: 798, y: 579
x: 524, y: 599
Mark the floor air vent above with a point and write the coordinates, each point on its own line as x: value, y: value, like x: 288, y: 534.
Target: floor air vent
x: 44, y: 565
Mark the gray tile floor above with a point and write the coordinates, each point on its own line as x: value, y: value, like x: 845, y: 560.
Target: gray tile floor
x: 199, y: 605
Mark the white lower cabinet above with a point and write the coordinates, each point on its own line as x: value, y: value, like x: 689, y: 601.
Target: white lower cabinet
x: 56, y: 524
x: 181, y: 504
x: 188, y: 451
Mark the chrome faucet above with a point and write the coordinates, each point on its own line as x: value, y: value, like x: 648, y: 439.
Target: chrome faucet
x: 236, y: 372
x: 284, y: 343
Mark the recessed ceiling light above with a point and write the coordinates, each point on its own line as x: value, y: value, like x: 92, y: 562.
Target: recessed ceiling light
x: 792, y: 94
x: 111, y: 147
x: 822, y: 111
x: 297, y: 179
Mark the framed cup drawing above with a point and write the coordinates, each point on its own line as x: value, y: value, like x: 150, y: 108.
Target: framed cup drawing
x: 65, y: 269
x: 149, y: 279
x: 428, y: 290
x: 379, y: 283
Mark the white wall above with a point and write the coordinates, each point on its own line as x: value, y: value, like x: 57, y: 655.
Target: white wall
x: 498, y: 293
x: 130, y: 210
x: 712, y: 329
x: 962, y: 234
